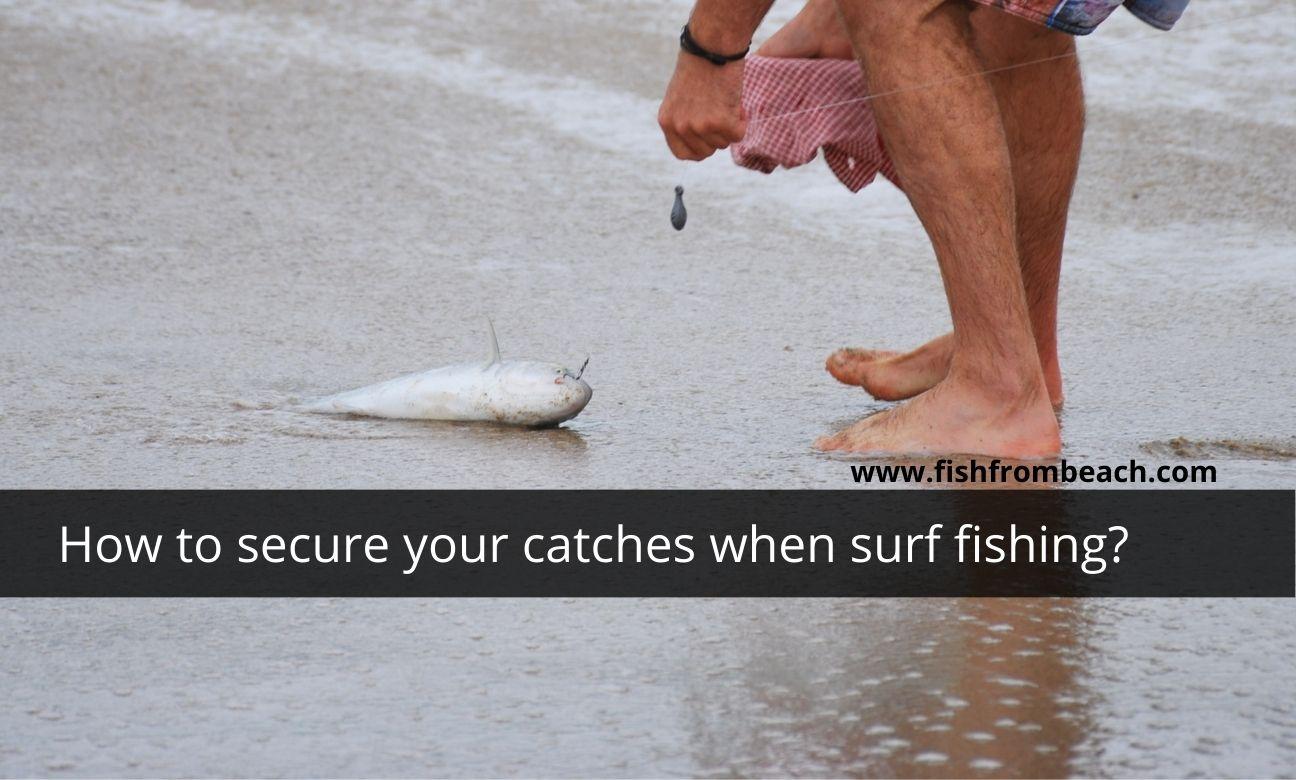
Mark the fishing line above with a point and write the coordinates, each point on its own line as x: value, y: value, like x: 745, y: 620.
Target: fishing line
x: 679, y: 203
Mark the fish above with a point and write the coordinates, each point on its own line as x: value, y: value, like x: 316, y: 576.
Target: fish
x: 527, y: 393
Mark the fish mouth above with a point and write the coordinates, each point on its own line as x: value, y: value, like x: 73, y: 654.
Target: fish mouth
x: 579, y: 373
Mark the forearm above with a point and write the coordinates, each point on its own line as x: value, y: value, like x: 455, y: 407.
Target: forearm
x: 726, y: 26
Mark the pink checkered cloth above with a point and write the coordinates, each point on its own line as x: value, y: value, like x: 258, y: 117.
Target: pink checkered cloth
x: 812, y: 94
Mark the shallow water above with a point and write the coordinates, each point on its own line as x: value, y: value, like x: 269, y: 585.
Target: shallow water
x: 210, y: 211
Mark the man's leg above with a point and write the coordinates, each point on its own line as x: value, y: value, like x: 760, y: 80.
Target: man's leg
x: 948, y: 143
x: 1042, y: 106
x: 1043, y: 114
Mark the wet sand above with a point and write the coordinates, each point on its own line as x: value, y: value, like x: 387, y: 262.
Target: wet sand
x: 209, y: 211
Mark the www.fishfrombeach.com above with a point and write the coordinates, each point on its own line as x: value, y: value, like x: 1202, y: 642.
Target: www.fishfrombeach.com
x: 696, y: 388
x: 996, y: 472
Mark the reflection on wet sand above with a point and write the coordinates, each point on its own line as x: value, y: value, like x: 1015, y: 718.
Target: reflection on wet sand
x: 900, y: 688
x: 909, y: 687
x: 1018, y: 683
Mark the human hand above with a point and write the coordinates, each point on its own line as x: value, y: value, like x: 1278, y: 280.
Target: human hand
x: 702, y: 110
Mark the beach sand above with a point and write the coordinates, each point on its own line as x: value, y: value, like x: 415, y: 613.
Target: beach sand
x: 210, y: 210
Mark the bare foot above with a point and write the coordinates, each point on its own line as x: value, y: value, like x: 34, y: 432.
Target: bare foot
x: 814, y: 33
x: 956, y: 416
x: 895, y: 376
x: 848, y: 365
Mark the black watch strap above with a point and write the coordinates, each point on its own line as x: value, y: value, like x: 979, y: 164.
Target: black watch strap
x: 691, y: 46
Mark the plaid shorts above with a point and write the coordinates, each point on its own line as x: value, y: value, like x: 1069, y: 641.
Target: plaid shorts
x: 1081, y: 17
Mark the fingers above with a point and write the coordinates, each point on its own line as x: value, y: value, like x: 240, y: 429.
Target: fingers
x: 721, y: 136
x: 701, y: 149
x: 677, y: 146
x: 716, y: 141
x: 698, y: 143
x: 688, y: 145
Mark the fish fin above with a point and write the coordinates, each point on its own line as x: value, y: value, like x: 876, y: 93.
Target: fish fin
x: 494, y: 356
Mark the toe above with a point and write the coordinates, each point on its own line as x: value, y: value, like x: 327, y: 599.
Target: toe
x: 848, y: 363
x: 860, y: 354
